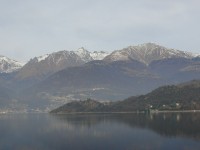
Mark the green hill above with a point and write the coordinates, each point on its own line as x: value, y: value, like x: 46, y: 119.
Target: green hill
x: 185, y: 96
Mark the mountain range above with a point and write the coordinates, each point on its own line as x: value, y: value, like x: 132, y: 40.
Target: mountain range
x: 40, y: 67
x: 48, y: 81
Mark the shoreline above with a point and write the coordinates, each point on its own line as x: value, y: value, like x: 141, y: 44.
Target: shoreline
x: 132, y: 112
x: 175, y: 111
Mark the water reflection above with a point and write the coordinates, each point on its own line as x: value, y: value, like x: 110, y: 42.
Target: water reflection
x: 166, y: 124
x: 100, y: 131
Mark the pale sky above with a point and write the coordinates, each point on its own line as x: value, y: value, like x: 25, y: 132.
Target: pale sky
x: 30, y: 28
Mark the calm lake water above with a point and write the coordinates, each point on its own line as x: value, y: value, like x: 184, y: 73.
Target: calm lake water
x: 100, y: 132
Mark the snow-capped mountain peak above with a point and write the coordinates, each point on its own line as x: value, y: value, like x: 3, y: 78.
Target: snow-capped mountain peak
x: 8, y: 65
x: 146, y: 53
x: 84, y: 54
x: 42, y: 66
x: 89, y: 56
x: 82, y: 50
x: 56, y: 57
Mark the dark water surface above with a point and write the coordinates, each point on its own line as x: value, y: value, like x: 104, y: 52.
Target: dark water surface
x: 100, y: 131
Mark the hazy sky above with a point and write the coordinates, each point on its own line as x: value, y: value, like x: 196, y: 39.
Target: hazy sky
x: 31, y: 28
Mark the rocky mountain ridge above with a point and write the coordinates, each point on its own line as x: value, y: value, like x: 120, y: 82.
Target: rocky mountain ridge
x: 147, y: 53
x: 43, y: 66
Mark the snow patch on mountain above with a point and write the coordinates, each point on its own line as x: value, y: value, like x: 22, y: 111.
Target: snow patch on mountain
x: 8, y: 65
x: 99, y: 55
x: 84, y: 54
x: 89, y: 56
x: 41, y: 58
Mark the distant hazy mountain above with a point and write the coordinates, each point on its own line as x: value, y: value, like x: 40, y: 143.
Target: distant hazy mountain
x: 8, y: 65
x: 146, y: 53
x: 107, y: 81
x: 115, y: 79
x: 54, y: 79
x: 176, y: 70
x: 7, y: 97
x: 97, y: 79
x: 185, y: 96
x: 42, y: 66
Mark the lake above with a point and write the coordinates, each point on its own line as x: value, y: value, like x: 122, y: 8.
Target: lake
x: 100, y: 131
